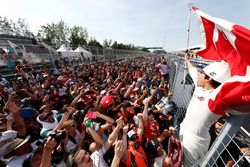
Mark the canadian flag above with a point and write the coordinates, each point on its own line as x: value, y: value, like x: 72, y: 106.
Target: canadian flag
x: 231, y: 43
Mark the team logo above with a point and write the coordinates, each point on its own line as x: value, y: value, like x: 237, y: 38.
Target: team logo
x: 201, y: 98
x: 212, y: 73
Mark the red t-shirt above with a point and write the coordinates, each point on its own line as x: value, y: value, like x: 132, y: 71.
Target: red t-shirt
x: 140, y: 157
x: 151, y: 130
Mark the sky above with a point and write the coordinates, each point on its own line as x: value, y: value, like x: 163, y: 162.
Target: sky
x: 148, y: 23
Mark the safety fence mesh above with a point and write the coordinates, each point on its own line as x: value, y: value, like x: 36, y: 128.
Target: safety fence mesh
x: 232, y: 146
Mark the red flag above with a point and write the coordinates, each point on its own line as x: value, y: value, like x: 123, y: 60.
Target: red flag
x: 234, y: 92
x: 231, y: 43
x: 225, y: 41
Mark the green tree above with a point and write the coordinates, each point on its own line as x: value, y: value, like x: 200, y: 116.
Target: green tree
x: 6, y: 26
x: 115, y: 45
x: 144, y: 49
x: 54, y: 34
x: 94, y: 42
x: 22, y: 28
x: 122, y: 46
x: 107, y: 43
x: 78, y: 36
x: 62, y: 32
x: 48, y: 33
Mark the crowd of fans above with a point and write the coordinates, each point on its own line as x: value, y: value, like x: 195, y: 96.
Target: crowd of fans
x: 90, y: 114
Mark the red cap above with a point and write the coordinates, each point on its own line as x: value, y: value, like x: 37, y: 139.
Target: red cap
x: 107, y: 101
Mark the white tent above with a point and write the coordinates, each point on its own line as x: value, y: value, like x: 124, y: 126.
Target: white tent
x: 68, y: 52
x: 84, y: 52
x: 63, y: 48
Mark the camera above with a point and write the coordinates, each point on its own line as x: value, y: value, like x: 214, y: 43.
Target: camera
x: 58, y: 136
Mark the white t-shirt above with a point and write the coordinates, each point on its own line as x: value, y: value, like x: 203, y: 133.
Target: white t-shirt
x: 98, y: 159
x: 194, y: 130
x: 198, y: 117
x: 162, y: 68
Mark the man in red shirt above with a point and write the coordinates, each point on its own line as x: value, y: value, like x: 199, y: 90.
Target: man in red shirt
x: 151, y: 129
x: 135, y: 155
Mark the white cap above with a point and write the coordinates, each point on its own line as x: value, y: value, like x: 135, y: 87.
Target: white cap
x: 218, y: 71
x: 131, y: 133
x: 103, y: 92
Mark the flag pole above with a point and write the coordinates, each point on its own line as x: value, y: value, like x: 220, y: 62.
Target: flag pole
x: 188, y: 34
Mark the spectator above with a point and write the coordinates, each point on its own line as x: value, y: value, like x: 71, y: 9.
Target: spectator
x: 226, y: 157
x: 194, y: 130
x: 135, y: 154
x: 163, y: 68
x: 71, y: 113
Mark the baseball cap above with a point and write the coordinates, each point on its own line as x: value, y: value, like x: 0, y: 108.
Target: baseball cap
x: 218, y: 71
x: 103, y: 92
x: 131, y: 133
x: 107, y: 101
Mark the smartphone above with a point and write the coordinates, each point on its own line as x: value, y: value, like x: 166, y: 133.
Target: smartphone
x: 91, y: 115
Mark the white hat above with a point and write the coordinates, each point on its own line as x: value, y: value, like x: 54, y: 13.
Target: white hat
x: 131, y: 133
x: 218, y: 71
x: 103, y: 92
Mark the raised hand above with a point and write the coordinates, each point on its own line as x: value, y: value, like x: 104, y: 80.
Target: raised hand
x: 145, y: 101
x: 186, y: 57
x: 119, y: 122
x: 50, y: 144
x: 10, y: 118
x: 83, y: 159
x: 170, y: 95
x: 140, y: 115
x: 125, y: 129
x: 119, y: 149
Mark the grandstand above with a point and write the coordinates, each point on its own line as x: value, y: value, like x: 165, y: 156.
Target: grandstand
x: 40, y: 54
x: 22, y: 48
x: 31, y: 44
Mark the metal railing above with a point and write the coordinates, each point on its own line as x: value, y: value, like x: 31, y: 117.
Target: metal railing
x: 234, y: 137
x: 226, y: 149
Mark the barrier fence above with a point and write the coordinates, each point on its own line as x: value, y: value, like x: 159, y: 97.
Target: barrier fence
x: 232, y: 146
